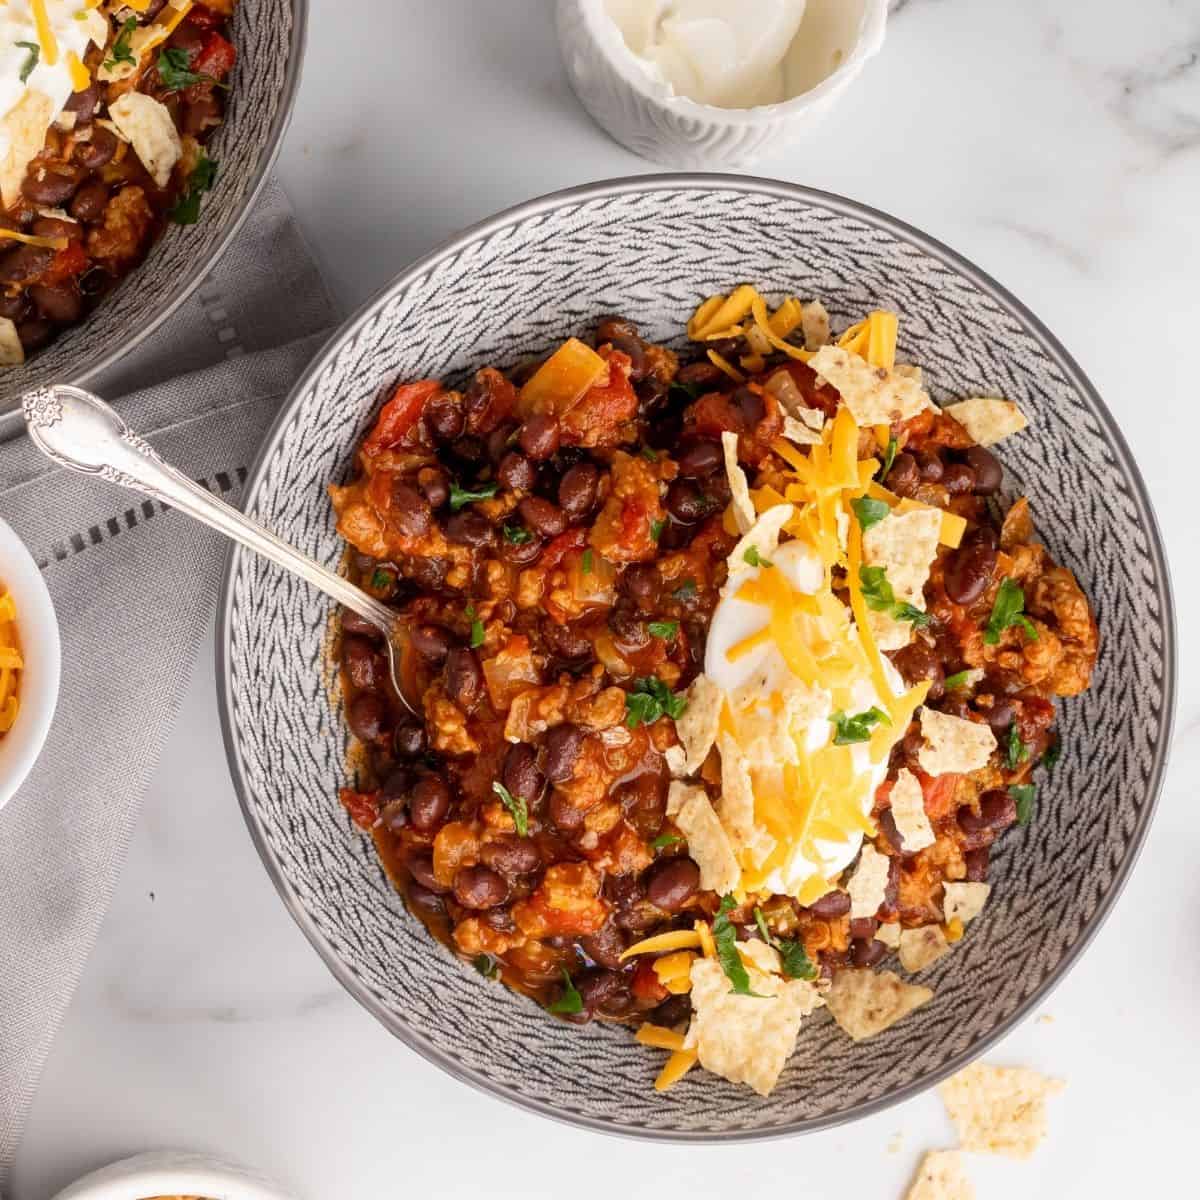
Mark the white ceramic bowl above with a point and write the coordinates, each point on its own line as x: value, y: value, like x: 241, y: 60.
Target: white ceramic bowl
x: 173, y: 1173
x: 37, y: 631
x: 645, y: 116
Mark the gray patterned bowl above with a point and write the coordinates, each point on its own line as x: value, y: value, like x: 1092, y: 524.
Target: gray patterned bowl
x: 651, y: 248
x: 269, y: 35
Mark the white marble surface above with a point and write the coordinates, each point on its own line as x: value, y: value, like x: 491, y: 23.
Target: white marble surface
x: 1055, y: 142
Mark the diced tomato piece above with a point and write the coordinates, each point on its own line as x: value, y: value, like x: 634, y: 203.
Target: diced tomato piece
x: 208, y: 16
x: 573, y: 539
x: 363, y: 807
x: 67, y: 263
x: 598, y: 418
x: 216, y: 57
x: 399, y: 416
x: 938, y: 793
x: 646, y: 986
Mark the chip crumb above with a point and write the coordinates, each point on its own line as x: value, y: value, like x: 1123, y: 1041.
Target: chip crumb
x: 708, y: 843
x: 941, y: 1177
x: 763, y: 534
x: 905, y: 546
x: 814, y: 324
x: 737, y: 806
x: 908, y: 812
x: 889, y: 934
x: 999, y: 1110
x: 800, y: 433
x: 964, y: 901
x: 865, y: 1003
x: 697, y: 727
x: 743, y: 506
x: 921, y: 948
x: 896, y: 1142
x: 873, y: 395
x: 953, y: 745
x: 987, y: 419
x: 868, y: 884
x: 1046, y: 1019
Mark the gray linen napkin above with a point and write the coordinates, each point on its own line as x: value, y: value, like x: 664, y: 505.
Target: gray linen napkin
x: 134, y: 586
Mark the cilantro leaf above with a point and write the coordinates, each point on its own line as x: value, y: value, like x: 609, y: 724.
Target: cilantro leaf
x: 667, y: 630
x: 1024, y: 794
x: 122, y: 50
x: 656, y: 528
x: 1008, y: 609
x: 685, y: 591
x: 665, y: 839
x: 903, y: 611
x: 755, y: 559
x: 649, y: 454
x: 516, y: 535
x: 651, y: 699
x: 957, y: 680
x: 570, y: 1001
x: 869, y: 512
x: 682, y: 393
x: 1016, y: 750
x: 486, y: 965
x: 849, y: 730
x: 585, y: 562
x: 35, y: 53
x: 889, y: 457
x: 460, y: 496
x: 1052, y: 755
x: 725, y: 939
x: 795, y: 961
x: 476, y: 628
x: 175, y: 71
x: 879, y: 597
x: 187, y: 208
x: 516, y: 806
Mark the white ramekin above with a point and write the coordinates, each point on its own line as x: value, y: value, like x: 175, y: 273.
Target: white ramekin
x: 173, y: 1173
x: 37, y: 630
x: 642, y: 114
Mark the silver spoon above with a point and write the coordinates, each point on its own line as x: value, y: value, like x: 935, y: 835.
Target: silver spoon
x: 79, y: 431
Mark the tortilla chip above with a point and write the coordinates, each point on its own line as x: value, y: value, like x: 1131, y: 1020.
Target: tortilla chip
x: 964, y: 901
x: 148, y: 125
x: 941, y: 1177
x: 697, y: 728
x: 920, y: 948
x: 868, y: 884
x: 908, y: 812
x: 987, y: 420
x: 12, y: 353
x: 889, y: 934
x: 865, y: 1003
x: 708, y: 844
x: 679, y: 793
x: 999, y: 1110
x: 23, y: 130
x: 814, y: 323
x: 905, y: 545
x: 737, y: 805
x: 746, y: 1039
x: 763, y: 535
x: 743, y: 506
x: 953, y: 745
x: 799, y: 433
x: 874, y: 395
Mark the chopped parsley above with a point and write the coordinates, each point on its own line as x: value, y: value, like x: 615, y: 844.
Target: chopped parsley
x: 476, y: 628
x: 725, y: 938
x: 878, y: 594
x: 849, y: 730
x: 585, y: 562
x: 203, y: 176
x: 665, y: 839
x: 122, y: 50
x: 889, y: 457
x: 516, y: 535
x: 755, y: 559
x: 656, y: 528
x: 486, y: 965
x: 175, y: 71
x: 35, y: 53
x: 667, y: 630
x: 685, y: 591
x: 1023, y: 794
x: 570, y: 1001
x: 518, y: 809
x: 382, y: 579
x: 649, y: 454
x: 1052, y: 755
x: 1016, y: 750
x: 460, y: 496
x: 869, y: 512
x: 792, y: 955
x: 651, y: 699
x: 957, y: 680
x: 1008, y: 609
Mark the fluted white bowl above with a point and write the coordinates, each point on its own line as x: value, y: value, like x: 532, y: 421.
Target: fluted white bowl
x: 173, y: 1173
x: 645, y: 116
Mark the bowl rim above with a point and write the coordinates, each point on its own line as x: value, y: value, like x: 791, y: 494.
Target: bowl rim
x: 37, y: 623
x: 611, y: 44
x: 713, y: 181
x: 198, y: 272
x: 172, y: 1173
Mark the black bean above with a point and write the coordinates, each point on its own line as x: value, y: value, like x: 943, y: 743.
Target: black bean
x: 521, y: 774
x: 366, y: 667
x: 96, y: 152
x: 521, y: 554
x: 367, y: 716
x: 671, y: 883
x: 434, y: 485
x: 832, y: 904
x: 431, y: 642
x: 958, y: 479
x: 57, y: 302
x: 989, y: 474
x: 563, y: 746
x: 905, y: 475
x: 516, y: 472
x: 429, y: 803
x: 699, y: 459
x: 54, y: 227
x: 642, y: 583
x: 599, y: 988
x: 426, y: 573
x: 918, y: 662
x: 464, y: 678
x: 424, y: 900
x: 410, y: 740
x: 14, y: 307
x: 998, y: 809
x: 511, y: 855
x: 577, y: 490
x: 629, y: 630
x: 606, y: 946
x: 444, y: 416
x: 420, y: 867
x: 866, y: 952
x: 479, y: 887
x: 84, y: 104
x: 968, y: 570
x: 540, y: 437
x: 481, y: 403
x: 863, y: 927
x: 51, y: 187
x: 542, y: 516
x: 931, y: 466
x: 34, y: 333
x: 89, y: 202
x: 1000, y: 716
x: 24, y: 263
x: 564, y: 816
x: 471, y: 529
x: 700, y: 375
x: 410, y: 511
x: 501, y: 440
x: 635, y: 348
x: 686, y: 502
x: 977, y: 864
x: 750, y: 404
x: 611, y: 327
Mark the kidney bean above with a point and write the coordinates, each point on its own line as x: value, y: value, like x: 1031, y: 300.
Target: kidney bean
x: 471, y: 529
x: 500, y: 918
x: 431, y: 642
x: 686, y: 502
x: 434, y: 485
x: 931, y: 466
x: 598, y: 988
x: 565, y: 641
x: 480, y: 405
x: 188, y: 36
x: 635, y: 348
x: 905, y: 475
x: 521, y: 554
x: 866, y: 952
x: 464, y: 678
x: 444, y: 416
x: 989, y: 474
x: 98, y: 151
x: 57, y: 302
x: 542, y: 516
x: 998, y: 809
x: 420, y: 866
x: 410, y: 511
x: 89, y: 202
x: 34, y: 333
x: 429, y: 803
x: 511, y: 855
x: 577, y: 490
x: 409, y: 739
x: 539, y: 437
x: 521, y: 774
x: 750, y: 405
x: 968, y: 570
x: 563, y: 745
x: 426, y: 573
x: 918, y: 662
x: 698, y: 459
x: 642, y: 583
x: 394, y: 816
x: 501, y: 440
x: 15, y: 308
x: 671, y: 883
x: 564, y: 816
x: 700, y: 375
x: 863, y: 927
x: 24, y: 262
x: 606, y: 946
x: 832, y: 904
x: 610, y: 327
x: 51, y: 187
x: 84, y: 104
x: 958, y: 479
x: 367, y: 717
x: 397, y: 785
x: 1000, y: 716
x: 479, y: 887
x: 366, y: 667
x: 516, y: 472
x: 977, y: 864
x: 629, y: 631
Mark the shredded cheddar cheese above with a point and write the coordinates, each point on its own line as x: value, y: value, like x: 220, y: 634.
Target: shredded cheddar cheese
x: 45, y: 34
x: 678, y: 1065
x: 727, y: 367
x: 11, y: 663
x: 29, y: 239
x: 678, y: 939
x: 81, y: 78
